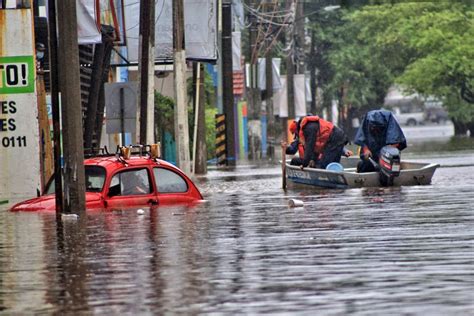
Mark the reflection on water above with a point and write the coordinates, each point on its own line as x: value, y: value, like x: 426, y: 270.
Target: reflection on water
x: 375, y: 251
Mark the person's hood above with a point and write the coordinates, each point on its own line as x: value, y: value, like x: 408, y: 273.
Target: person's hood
x: 390, y: 131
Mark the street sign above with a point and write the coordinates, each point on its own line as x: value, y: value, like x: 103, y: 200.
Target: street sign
x: 121, y: 107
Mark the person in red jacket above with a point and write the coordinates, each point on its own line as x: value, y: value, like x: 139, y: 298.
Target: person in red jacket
x: 319, y: 142
x: 295, y: 146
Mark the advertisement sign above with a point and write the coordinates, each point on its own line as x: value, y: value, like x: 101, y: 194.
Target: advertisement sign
x: 19, y: 133
x: 200, y: 29
x: 17, y: 75
x: 87, y: 32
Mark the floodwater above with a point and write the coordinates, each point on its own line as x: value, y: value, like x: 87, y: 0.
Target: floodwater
x: 395, y: 251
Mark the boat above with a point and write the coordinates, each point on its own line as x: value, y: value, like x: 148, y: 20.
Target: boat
x: 411, y: 173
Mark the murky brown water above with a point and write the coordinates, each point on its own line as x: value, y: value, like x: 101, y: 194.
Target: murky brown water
x: 394, y: 251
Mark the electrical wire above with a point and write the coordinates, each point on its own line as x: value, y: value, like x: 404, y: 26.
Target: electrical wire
x: 290, y: 31
x: 286, y: 23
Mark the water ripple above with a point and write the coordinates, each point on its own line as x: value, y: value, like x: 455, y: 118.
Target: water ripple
x: 389, y: 251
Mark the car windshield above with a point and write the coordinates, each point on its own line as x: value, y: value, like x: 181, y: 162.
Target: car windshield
x: 95, y: 179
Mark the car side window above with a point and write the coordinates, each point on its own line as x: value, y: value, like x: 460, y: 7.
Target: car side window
x: 168, y: 181
x: 130, y: 182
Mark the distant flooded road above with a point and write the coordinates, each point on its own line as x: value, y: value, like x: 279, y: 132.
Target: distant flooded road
x: 392, y: 251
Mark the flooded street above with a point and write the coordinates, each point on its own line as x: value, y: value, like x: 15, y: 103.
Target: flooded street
x: 407, y: 250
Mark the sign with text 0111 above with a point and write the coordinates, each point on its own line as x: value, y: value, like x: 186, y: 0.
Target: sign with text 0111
x: 19, y: 133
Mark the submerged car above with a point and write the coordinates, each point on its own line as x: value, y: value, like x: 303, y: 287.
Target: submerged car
x: 118, y: 181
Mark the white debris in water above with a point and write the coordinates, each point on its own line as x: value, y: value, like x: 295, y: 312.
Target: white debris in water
x: 295, y: 203
x: 140, y: 212
x: 69, y: 217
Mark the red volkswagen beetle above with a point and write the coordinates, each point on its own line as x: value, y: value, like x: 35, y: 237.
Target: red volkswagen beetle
x: 120, y: 182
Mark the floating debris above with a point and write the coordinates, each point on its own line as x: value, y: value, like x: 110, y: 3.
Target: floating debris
x: 69, y: 217
x: 295, y: 203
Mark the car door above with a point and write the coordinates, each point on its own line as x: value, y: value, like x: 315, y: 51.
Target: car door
x: 171, y: 187
x: 131, y: 187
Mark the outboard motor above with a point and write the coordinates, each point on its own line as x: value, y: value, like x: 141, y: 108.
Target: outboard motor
x: 389, y: 162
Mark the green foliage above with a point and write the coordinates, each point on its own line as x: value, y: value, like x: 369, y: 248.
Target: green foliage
x: 211, y: 132
x: 458, y: 109
x: 164, y: 114
x: 324, y: 28
x: 445, y: 45
x: 426, y: 47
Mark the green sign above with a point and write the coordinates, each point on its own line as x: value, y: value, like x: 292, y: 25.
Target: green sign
x: 17, y: 75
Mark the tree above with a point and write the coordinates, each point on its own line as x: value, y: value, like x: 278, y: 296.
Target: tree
x: 426, y: 47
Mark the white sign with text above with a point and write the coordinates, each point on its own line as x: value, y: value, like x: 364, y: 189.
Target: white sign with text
x: 19, y: 133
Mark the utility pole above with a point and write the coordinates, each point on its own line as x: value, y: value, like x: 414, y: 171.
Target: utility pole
x: 254, y: 109
x: 300, y: 38
x: 54, y: 80
x: 269, y: 95
x: 269, y: 103
x: 290, y: 74
x: 74, y: 182
x: 227, y: 81
x: 146, y: 72
x: 312, y: 71
x: 253, y: 94
x: 220, y: 107
x: 180, y: 113
x: 199, y: 144
x: 300, y: 45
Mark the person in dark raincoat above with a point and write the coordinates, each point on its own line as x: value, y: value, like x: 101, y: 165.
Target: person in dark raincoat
x: 379, y: 128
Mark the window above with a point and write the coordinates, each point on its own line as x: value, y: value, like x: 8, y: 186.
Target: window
x: 95, y: 178
x: 130, y: 182
x: 168, y: 181
x: 15, y: 4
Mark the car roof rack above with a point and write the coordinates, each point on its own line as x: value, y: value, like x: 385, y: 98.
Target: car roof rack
x: 151, y: 151
x: 97, y: 152
x: 125, y: 152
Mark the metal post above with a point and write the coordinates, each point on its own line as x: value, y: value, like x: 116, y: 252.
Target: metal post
x: 197, y: 80
x: 122, y: 114
x: 227, y: 81
x: 54, y: 79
